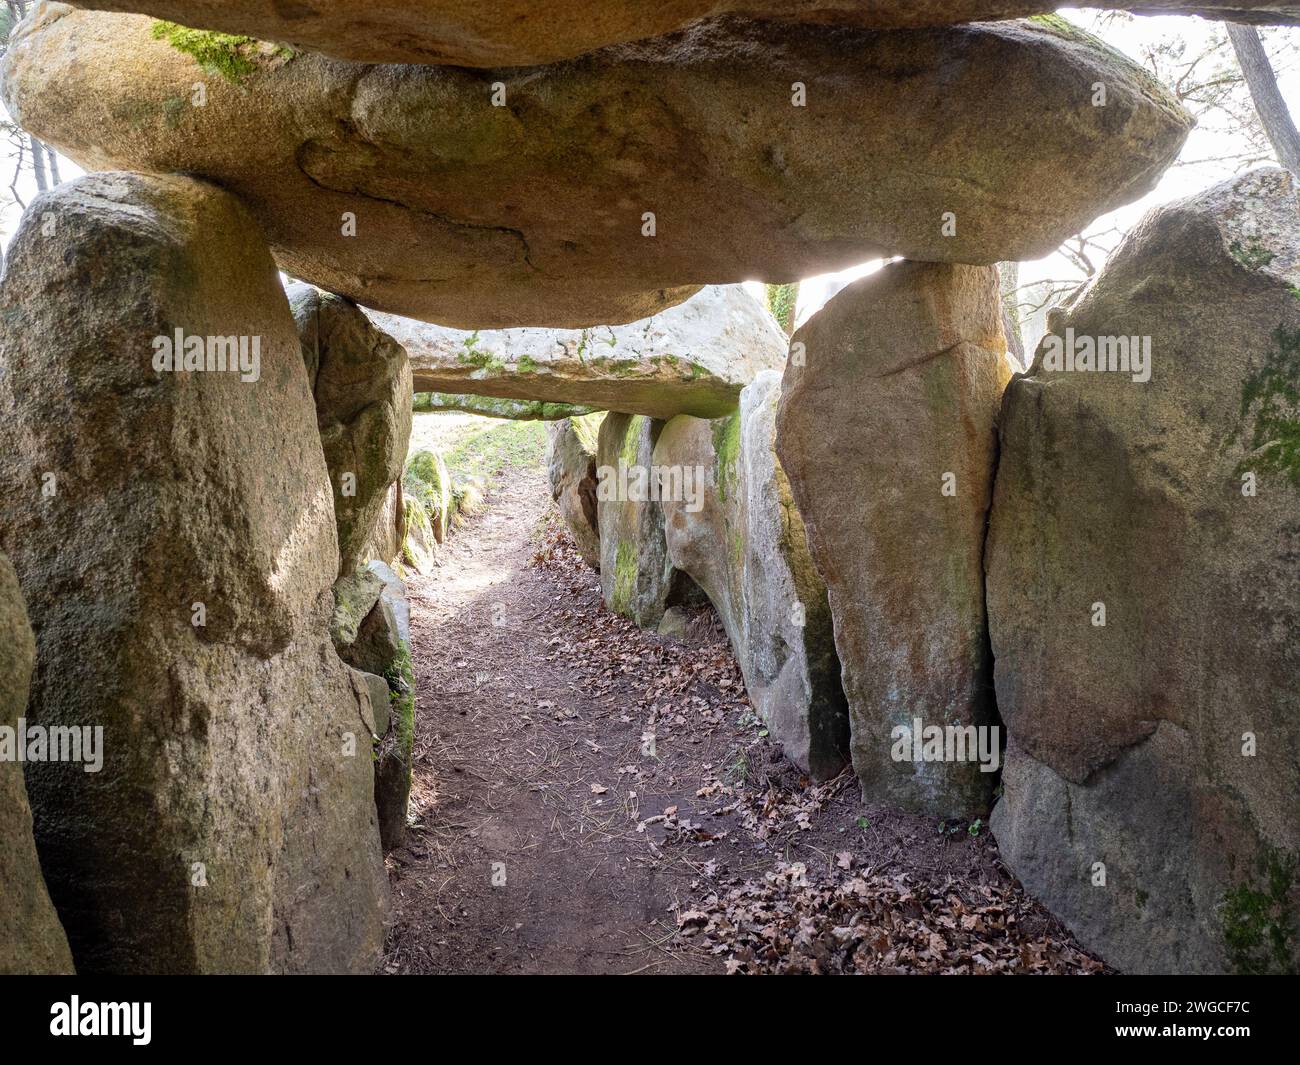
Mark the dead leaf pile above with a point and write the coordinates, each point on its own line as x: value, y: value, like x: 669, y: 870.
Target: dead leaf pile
x: 861, y: 922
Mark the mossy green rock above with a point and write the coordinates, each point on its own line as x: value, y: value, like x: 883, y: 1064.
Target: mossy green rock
x: 637, y: 578
x: 886, y: 431
x: 429, y: 503
x: 534, y: 212
x: 526, y: 32
x: 1164, y: 742
x: 232, y: 827
x: 394, y: 755
x: 361, y: 379
x: 32, y: 941
x: 742, y: 541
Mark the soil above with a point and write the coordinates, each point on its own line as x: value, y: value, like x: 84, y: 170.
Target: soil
x: 592, y: 798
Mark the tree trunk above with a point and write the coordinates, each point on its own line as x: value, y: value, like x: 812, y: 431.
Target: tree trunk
x: 38, y: 164
x: 1272, y: 109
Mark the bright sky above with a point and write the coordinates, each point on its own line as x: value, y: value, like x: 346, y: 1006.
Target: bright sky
x: 1128, y: 35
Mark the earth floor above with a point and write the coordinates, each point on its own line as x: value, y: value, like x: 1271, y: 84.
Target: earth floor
x: 592, y: 798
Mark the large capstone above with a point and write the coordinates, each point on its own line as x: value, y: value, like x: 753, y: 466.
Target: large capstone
x: 732, y: 525
x: 173, y: 529
x: 524, y: 32
x: 606, y: 188
x: 31, y: 938
x: 1144, y: 597
x: 886, y: 430
x: 361, y: 379
x: 693, y: 358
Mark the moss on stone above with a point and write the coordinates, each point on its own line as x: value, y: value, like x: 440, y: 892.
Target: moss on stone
x: 726, y: 449
x: 1252, y: 254
x: 423, y: 471
x: 625, y: 577
x: 401, y: 683
x: 630, y: 452
x: 1272, y: 394
x: 217, y: 53
x: 474, y: 356
x: 1067, y: 30
x: 1257, y: 920
x: 587, y: 429
x: 417, y: 517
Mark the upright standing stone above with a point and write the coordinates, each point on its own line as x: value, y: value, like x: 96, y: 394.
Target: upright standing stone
x: 31, y: 937
x: 1144, y: 594
x: 361, y: 379
x: 173, y: 530
x: 571, y: 469
x: 637, y: 578
x: 886, y: 432
x: 735, y: 529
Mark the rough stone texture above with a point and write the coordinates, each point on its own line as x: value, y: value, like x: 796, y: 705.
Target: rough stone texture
x: 520, y: 410
x: 523, y: 32
x: 428, y: 482
x: 385, y: 543
x: 1131, y: 494
x: 380, y: 702
x: 378, y: 644
x: 747, y: 548
x: 31, y: 938
x: 690, y: 359
x: 571, y: 469
x: 636, y: 577
x: 532, y: 214
x: 225, y: 744
x: 900, y: 384
x: 355, y: 597
x: 362, y: 383
x: 395, y: 593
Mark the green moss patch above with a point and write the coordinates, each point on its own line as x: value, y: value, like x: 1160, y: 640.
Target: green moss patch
x: 401, y: 682
x: 625, y: 574
x: 726, y: 449
x: 1257, y: 919
x: 230, y: 56
x: 1252, y: 254
x: 1270, y: 406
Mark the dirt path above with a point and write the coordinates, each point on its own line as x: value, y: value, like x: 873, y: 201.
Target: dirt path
x: 514, y: 738
x: 591, y: 798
